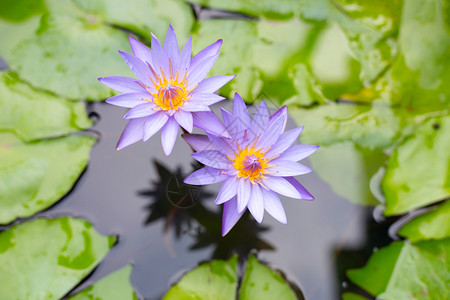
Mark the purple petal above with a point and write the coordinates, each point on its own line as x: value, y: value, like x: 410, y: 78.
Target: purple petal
x: 138, y: 67
x: 273, y: 206
x: 141, y: 110
x: 271, y: 135
x: 169, y: 133
x: 298, y: 152
x: 287, y: 168
x: 221, y: 144
x: 205, y: 98
x: 281, y: 186
x: 209, y: 51
x: 260, y: 119
x: 140, y: 50
x: 305, y: 195
x: 243, y: 194
x: 230, y: 215
x: 204, y: 176
x: 185, y: 120
x: 284, y: 142
x: 128, y: 100
x: 132, y: 133
x: 154, y: 123
x: 277, y: 114
x: 212, y: 84
x: 122, y: 84
x: 197, y: 73
x: 190, y: 106
x: 198, y: 142
x: 171, y: 44
x: 160, y: 59
x: 256, y: 203
x: 228, y: 190
x: 212, y: 158
x: 209, y: 122
x: 183, y: 62
x: 240, y: 114
x: 232, y: 127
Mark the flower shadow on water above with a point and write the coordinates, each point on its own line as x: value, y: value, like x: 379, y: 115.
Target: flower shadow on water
x: 184, y: 211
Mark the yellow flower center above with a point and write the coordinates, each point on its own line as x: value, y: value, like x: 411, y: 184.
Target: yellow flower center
x: 251, y: 163
x: 171, y: 91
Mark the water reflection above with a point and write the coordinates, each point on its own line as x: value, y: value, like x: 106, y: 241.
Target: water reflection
x: 182, y: 208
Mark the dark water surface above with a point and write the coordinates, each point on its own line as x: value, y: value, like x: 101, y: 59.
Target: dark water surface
x: 113, y: 195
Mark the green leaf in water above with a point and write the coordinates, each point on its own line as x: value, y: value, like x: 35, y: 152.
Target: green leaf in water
x: 45, y: 259
x: 143, y: 16
x: 32, y: 114
x: 434, y: 224
x: 262, y: 283
x: 407, y: 271
x: 350, y: 175
x: 214, y: 280
x: 219, y: 279
x: 370, y: 127
x: 114, y: 286
x: 20, y: 10
x: 352, y: 296
x: 35, y: 175
x: 418, y: 173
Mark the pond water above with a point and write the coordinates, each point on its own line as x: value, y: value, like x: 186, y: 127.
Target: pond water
x: 117, y: 189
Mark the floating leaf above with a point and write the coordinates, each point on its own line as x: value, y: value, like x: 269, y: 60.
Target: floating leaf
x: 417, y: 173
x: 20, y: 10
x: 434, y: 224
x: 367, y: 126
x: 35, y: 175
x: 407, y: 271
x: 114, y: 286
x: 247, y: 43
x: 213, y: 280
x: 352, y: 296
x: 359, y: 165
x: 417, y: 79
x: 45, y: 259
x: 68, y: 47
x: 143, y: 16
x: 218, y: 279
x: 32, y: 114
x: 262, y: 283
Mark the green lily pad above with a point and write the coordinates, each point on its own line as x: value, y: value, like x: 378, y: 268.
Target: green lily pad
x: 370, y: 127
x: 66, y: 48
x: 348, y: 169
x: 263, y: 283
x: 35, y: 175
x: 218, y: 279
x: 114, y: 286
x: 33, y: 114
x: 248, y: 43
x: 143, y: 16
x: 417, y: 173
x: 434, y: 224
x: 45, y: 259
x: 417, y: 78
x: 352, y: 296
x: 20, y: 10
x: 407, y: 271
x: 214, y: 280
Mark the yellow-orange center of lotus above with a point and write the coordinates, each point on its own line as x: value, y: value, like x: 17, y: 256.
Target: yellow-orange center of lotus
x: 171, y: 91
x: 251, y: 163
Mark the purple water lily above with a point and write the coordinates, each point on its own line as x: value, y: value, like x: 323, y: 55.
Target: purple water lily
x: 256, y: 163
x: 170, y: 91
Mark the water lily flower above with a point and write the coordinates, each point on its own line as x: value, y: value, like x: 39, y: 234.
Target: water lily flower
x: 170, y: 91
x: 256, y: 163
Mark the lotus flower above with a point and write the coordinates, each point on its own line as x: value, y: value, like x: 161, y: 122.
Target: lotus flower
x: 256, y: 163
x: 170, y: 91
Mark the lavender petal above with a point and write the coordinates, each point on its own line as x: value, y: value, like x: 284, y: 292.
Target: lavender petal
x: 227, y: 191
x: 298, y: 152
x: 141, y: 110
x: 138, y: 67
x: 282, y: 186
x: 212, y: 84
x: 171, y: 44
x: 122, y: 84
x: 198, y: 142
x: 128, y: 99
x: 243, y: 194
x: 185, y: 120
x: 256, y: 203
x: 169, y: 133
x: 209, y: 51
x: 285, y: 140
x: 132, y: 133
x: 206, y: 175
x: 305, y: 195
x: 153, y: 124
x: 273, y: 206
x: 140, y: 50
x: 288, y: 168
x: 209, y: 122
x: 230, y: 215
